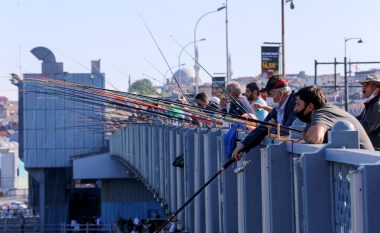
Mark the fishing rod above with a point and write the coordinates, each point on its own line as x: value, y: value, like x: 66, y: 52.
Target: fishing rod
x: 120, y: 104
x: 162, y: 54
x: 123, y: 98
x: 241, y: 118
x: 172, y: 217
x: 211, y: 111
x: 197, y: 118
x: 162, y: 74
x: 213, y: 79
x: 220, y: 86
x: 224, y: 118
x: 173, y: 88
x: 113, y: 94
x: 97, y: 114
x: 239, y: 105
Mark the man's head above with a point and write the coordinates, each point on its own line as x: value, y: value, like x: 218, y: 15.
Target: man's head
x: 278, y: 89
x: 252, y: 91
x: 234, y: 88
x: 201, y: 99
x: 223, y: 101
x: 308, y: 99
x: 370, y: 85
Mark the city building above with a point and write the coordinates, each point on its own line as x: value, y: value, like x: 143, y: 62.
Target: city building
x: 64, y: 148
x: 13, y: 176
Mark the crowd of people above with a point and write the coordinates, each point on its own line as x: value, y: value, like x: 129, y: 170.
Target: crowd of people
x: 139, y: 225
x: 308, y: 104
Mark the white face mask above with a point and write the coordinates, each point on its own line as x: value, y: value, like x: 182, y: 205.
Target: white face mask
x: 276, y: 105
x: 373, y: 95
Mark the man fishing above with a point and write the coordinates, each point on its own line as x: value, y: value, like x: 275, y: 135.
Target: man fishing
x: 283, y: 113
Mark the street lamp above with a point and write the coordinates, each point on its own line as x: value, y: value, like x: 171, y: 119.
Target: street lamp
x: 283, y: 32
x: 183, y: 48
x: 359, y: 40
x: 196, y: 66
x: 348, y: 39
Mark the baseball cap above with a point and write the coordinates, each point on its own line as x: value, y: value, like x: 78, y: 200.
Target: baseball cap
x: 275, y: 82
x: 215, y: 100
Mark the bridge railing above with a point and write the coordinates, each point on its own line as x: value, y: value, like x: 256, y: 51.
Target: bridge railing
x: 288, y: 187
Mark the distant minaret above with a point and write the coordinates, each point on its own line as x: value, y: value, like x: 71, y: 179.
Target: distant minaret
x: 229, y: 66
x: 129, y: 81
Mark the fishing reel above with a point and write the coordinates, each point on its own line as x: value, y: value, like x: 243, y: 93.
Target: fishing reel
x: 241, y: 165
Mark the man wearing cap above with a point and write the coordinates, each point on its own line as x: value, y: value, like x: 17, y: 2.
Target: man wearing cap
x: 282, y: 113
x: 214, y: 104
x: 370, y: 116
x: 253, y: 94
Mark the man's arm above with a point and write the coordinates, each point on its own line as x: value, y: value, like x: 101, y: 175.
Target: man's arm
x: 254, y: 138
x: 315, y: 134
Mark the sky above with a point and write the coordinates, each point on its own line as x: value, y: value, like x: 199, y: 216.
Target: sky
x: 78, y: 31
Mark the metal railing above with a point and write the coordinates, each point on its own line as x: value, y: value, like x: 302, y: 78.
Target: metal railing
x: 288, y: 187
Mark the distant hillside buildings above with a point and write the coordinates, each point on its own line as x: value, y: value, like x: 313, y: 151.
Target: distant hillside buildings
x: 333, y: 85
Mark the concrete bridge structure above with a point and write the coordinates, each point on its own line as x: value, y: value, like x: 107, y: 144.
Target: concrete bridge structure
x: 288, y: 187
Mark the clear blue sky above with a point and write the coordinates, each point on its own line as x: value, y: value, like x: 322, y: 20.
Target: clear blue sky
x: 78, y: 31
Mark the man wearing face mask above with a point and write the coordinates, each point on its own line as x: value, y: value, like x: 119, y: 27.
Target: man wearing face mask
x: 370, y: 116
x: 320, y: 116
x: 282, y: 113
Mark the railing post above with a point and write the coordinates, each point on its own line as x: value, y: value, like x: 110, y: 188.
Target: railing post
x: 356, y: 191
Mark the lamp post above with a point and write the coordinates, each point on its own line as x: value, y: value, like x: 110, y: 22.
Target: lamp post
x: 183, y: 48
x: 228, y: 72
x: 283, y: 32
x: 196, y: 66
x: 359, y: 40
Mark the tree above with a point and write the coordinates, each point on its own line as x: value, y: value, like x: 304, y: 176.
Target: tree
x: 143, y: 87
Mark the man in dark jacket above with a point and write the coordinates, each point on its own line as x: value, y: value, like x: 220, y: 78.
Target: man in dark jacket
x: 370, y: 116
x: 282, y: 113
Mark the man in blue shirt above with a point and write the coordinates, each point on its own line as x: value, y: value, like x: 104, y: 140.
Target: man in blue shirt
x: 253, y: 94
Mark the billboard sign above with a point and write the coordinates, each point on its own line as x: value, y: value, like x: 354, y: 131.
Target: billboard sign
x: 216, y: 90
x: 269, y: 61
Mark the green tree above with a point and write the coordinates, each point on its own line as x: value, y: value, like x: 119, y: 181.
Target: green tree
x: 142, y: 87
